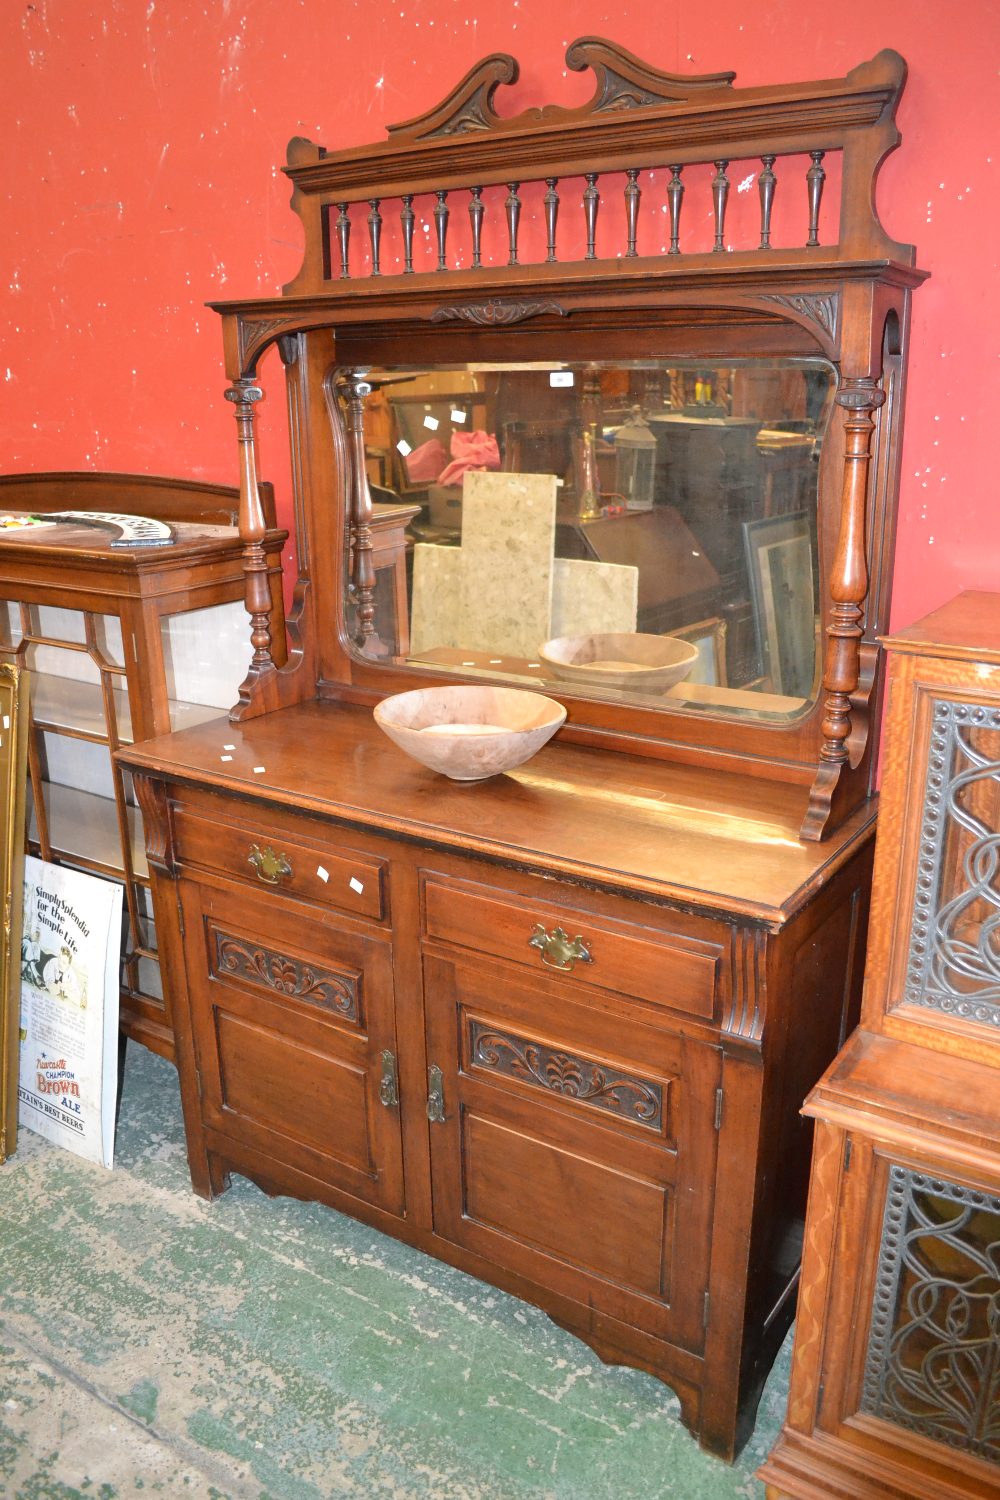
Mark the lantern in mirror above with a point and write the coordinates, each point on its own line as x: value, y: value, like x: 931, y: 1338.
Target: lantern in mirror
x: 635, y: 449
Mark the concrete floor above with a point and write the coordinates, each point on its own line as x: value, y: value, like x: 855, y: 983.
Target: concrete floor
x: 257, y: 1349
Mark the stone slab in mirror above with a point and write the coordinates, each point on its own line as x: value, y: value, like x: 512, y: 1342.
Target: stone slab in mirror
x: 685, y: 504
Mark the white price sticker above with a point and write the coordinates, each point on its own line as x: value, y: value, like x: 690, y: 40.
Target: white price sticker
x: 431, y: 423
x: 324, y: 875
x: 404, y: 448
x: 560, y: 377
x: 356, y: 885
x: 457, y: 415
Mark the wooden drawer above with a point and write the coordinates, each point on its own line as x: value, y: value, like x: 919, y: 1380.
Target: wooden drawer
x: 649, y: 963
x: 326, y: 875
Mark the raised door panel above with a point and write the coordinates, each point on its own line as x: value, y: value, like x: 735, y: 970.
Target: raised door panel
x: 578, y: 1150
x: 295, y: 1035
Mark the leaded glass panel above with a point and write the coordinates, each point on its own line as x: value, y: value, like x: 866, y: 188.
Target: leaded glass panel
x: 953, y: 963
x: 933, y: 1358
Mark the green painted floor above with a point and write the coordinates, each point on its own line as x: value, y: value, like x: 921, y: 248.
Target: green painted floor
x: 258, y: 1349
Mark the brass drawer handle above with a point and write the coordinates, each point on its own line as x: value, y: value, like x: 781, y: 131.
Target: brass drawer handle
x: 435, y: 1096
x: 558, y: 950
x: 271, y: 868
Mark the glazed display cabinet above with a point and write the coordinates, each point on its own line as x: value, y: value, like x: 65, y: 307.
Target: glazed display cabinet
x: 120, y: 645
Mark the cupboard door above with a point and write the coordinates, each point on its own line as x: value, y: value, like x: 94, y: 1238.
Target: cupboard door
x: 574, y: 1149
x: 294, y: 1028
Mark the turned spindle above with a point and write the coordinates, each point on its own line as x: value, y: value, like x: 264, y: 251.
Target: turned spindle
x: 720, y: 197
x: 551, y: 202
x: 375, y: 233
x: 766, y: 183
x: 815, y: 178
x: 591, y: 203
x: 512, y: 206
x: 675, y: 194
x: 344, y: 236
x: 406, y: 219
x: 633, y: 193
x: 441, y: 213
x: 476, y: 211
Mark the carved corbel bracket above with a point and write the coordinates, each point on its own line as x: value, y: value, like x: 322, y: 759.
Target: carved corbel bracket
x: 152, y: 799
x: 743, y: 1019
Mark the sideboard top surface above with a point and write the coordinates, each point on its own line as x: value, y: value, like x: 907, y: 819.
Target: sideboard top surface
x: 707, y: 839
x: 967, y: 627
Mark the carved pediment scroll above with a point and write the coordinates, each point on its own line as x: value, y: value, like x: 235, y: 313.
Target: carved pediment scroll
x: 623, y: 81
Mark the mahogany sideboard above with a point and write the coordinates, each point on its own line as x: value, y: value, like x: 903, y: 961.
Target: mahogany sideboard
x: 556, y: 1028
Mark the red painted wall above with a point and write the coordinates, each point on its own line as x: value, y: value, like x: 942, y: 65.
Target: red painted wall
x: 142, y: 140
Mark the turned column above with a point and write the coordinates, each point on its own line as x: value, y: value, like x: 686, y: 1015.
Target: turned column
x: 354, y: 388
x: 253, y: 523
x: 861, y: 397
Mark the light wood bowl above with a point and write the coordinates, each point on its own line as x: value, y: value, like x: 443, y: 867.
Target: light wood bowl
x: 469, y: 733
x: 648, y: 663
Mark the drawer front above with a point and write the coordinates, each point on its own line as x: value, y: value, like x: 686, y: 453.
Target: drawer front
x: 269, y: 858
x: 295, y: 1034
x: 661, y: 967
x: 577, y: 1152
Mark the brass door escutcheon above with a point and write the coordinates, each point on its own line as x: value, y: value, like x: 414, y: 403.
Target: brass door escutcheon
x: 271, y: 868
x: 558, y: 950
x: 435, y: 1096
x: 388, y: 1089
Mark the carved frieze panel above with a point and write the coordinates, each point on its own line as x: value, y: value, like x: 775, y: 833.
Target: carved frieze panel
x: 328, y: 987
x: 496, y: 313
x: 558, y: 1071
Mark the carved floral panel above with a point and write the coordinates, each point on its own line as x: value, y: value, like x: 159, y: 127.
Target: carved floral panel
x: 559, y: 1071
x: 330, y: 988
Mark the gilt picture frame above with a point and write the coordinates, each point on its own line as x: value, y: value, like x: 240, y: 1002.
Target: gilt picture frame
x: 783, y: 597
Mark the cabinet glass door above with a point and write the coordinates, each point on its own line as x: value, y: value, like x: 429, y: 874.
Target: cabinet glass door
x: 932, y: 1364
x: 953, y: 957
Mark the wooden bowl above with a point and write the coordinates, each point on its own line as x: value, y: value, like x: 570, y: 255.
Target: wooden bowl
x: 469, y: 733
x: 629, y: 662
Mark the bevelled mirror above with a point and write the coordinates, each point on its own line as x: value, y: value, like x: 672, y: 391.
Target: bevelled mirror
x: 642, y: 532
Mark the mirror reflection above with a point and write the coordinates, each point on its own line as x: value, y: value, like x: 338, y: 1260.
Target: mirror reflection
x: 640, y: 532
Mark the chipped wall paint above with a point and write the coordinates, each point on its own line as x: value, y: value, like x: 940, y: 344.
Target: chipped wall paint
x: 143, y: 140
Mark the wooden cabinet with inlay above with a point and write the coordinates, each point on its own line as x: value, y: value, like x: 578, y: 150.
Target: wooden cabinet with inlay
x: 556, y: 1027
x: 895, y: 1389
